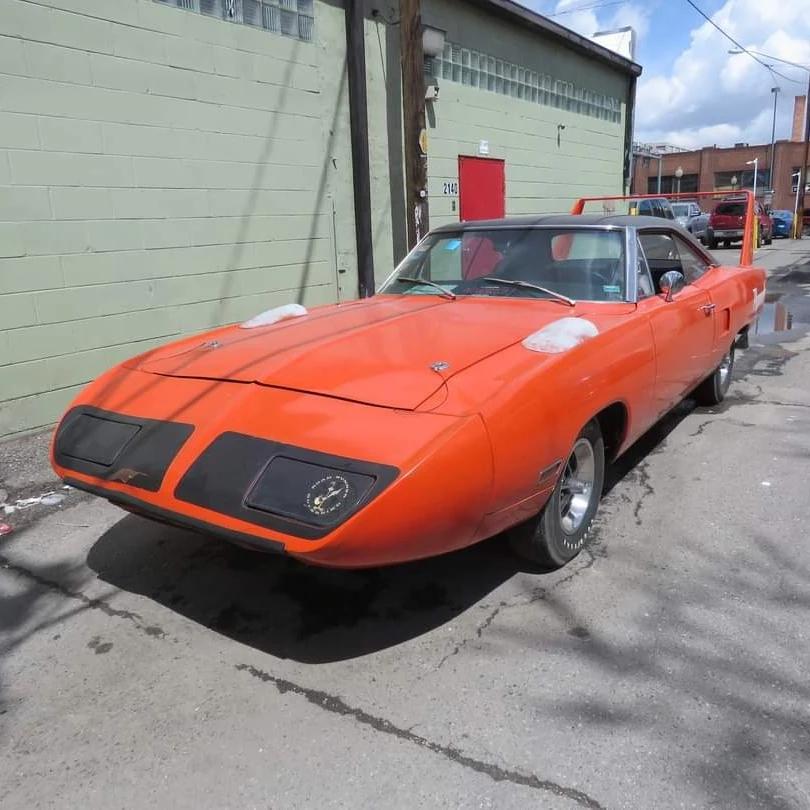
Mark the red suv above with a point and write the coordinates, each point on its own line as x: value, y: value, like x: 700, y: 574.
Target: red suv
x: 727, y: 224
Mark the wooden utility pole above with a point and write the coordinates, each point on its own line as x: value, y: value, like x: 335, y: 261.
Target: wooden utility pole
x: 413, y: 111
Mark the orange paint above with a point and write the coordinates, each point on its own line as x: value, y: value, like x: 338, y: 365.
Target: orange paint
x: 471, y: 439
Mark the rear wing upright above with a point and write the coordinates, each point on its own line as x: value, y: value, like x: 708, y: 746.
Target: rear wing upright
x: 747, y: 251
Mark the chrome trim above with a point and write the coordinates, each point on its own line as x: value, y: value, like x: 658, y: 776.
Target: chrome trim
x: 631, y: 277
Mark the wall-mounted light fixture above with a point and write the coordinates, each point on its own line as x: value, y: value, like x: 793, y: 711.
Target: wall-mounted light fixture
x: 432, y: 41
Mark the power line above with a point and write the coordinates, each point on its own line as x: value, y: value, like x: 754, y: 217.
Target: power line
x: 741, y: 47
x: 586, y: 8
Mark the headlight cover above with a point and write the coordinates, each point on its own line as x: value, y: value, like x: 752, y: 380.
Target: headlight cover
x: 300, y: 492
x: 311, y: 493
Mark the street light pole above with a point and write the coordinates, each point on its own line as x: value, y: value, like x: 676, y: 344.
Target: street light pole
x: 775, y: 91
x: 755, y: 164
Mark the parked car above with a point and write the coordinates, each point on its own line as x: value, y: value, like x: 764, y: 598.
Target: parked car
x: 782, y: 223
x: 689, y: 216
x: 652, y: 207
x: 727, y: 224
x: 470, y: 396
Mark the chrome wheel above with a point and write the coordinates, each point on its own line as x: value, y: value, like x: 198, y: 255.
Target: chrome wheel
x: 577, y: 486
x: 724, y: 370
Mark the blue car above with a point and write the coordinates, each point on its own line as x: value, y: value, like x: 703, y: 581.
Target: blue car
x: 782, y: 223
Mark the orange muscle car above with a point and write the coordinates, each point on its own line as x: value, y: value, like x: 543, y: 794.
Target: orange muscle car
x: 484, y: 388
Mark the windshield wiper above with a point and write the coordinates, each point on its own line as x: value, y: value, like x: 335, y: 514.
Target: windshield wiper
x: 513, y: 282
x: 413, y: 280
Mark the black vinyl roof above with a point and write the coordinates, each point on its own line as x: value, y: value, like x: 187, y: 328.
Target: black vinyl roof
x: 552, y: 220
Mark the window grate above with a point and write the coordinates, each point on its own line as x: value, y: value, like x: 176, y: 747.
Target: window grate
x: 476, y: 69
x: 292, y: 18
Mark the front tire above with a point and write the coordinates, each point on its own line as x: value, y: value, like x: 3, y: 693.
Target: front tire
x: 558, y: 533
x: 712, y: 391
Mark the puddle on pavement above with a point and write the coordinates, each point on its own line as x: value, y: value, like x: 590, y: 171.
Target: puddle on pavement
x: 776, y: 316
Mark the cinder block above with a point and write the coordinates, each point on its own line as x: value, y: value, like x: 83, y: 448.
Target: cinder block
x: 17, y: 131
x: 126, y: 13
x: 81, y: 203
x: 114, y: 234
x: 27, y: 20
x: 57, y: 63
x: 79, y: 31
x: 17, y: 310
x: 20, y: 203
x: 11, y: 240
x: 183, y: 52
x: 135, y: 43
x: 30, y: 413
x: 160, y: 203
x: 70, y: 135
x: 34, y: 412
x: 12, y: 56
x: 78, y: 303
x: 163, y: 173
x: 65, y: 169
x: 53, y: 238
x: 166, y: 233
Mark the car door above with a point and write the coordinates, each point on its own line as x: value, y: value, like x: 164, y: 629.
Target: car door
x: 682, y: 328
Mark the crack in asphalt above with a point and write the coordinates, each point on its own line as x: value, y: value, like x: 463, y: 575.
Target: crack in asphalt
x: 643, y: 481
x: 478, y: 632
x: 336, y: 705
x: 736, y: 422
x: 587, y: 559
x: 88, y: 603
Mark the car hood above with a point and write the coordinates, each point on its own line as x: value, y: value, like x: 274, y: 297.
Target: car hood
x: 390, y: 351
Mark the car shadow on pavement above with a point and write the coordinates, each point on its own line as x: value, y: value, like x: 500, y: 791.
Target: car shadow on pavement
x: 283, y: 607
x: 314, y: 615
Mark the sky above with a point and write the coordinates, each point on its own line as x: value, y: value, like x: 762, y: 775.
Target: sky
x: 692, y: 92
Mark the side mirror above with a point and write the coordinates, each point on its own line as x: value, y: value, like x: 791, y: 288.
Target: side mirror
x: 671, y: 283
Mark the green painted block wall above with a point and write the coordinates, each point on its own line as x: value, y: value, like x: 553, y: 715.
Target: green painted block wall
x: 162, y: 172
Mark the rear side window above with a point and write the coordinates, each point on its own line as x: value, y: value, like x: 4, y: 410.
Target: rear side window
x: 665, y: 252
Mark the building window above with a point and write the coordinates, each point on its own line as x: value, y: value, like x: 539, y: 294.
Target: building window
x: 669, y: 184
x: 485, y: 72
x: 744, y: 179
x: 292, y: 18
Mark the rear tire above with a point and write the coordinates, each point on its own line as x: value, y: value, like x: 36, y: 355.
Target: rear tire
x: 558, y: 533
x: 712, y: 244
x: 712, y: 391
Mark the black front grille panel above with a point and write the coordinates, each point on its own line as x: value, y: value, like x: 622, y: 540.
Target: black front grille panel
x: 121, y: 448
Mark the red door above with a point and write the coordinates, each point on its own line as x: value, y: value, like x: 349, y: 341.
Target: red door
x: 481, y: 188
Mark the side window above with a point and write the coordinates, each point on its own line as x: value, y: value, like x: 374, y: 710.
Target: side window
x: 694, y: 265
x: 660, y: 247
x: 661, y: 254
x: 644, y: 281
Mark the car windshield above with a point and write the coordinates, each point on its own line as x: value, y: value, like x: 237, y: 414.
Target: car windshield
x: 586, y: 264
x: 680, y: 209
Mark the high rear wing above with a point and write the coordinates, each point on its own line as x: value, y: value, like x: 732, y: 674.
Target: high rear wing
x: 747, y: 251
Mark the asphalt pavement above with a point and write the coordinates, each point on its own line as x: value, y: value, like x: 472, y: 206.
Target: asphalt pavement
x: 666, y: 667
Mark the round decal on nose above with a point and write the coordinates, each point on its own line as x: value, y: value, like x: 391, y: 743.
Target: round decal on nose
x: 327, y: 494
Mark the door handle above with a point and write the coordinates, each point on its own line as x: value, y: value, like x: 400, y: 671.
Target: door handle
x: 708, y: 308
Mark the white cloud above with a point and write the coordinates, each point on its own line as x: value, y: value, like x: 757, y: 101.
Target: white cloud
x: 576, y: 15
x: 714, y: 97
